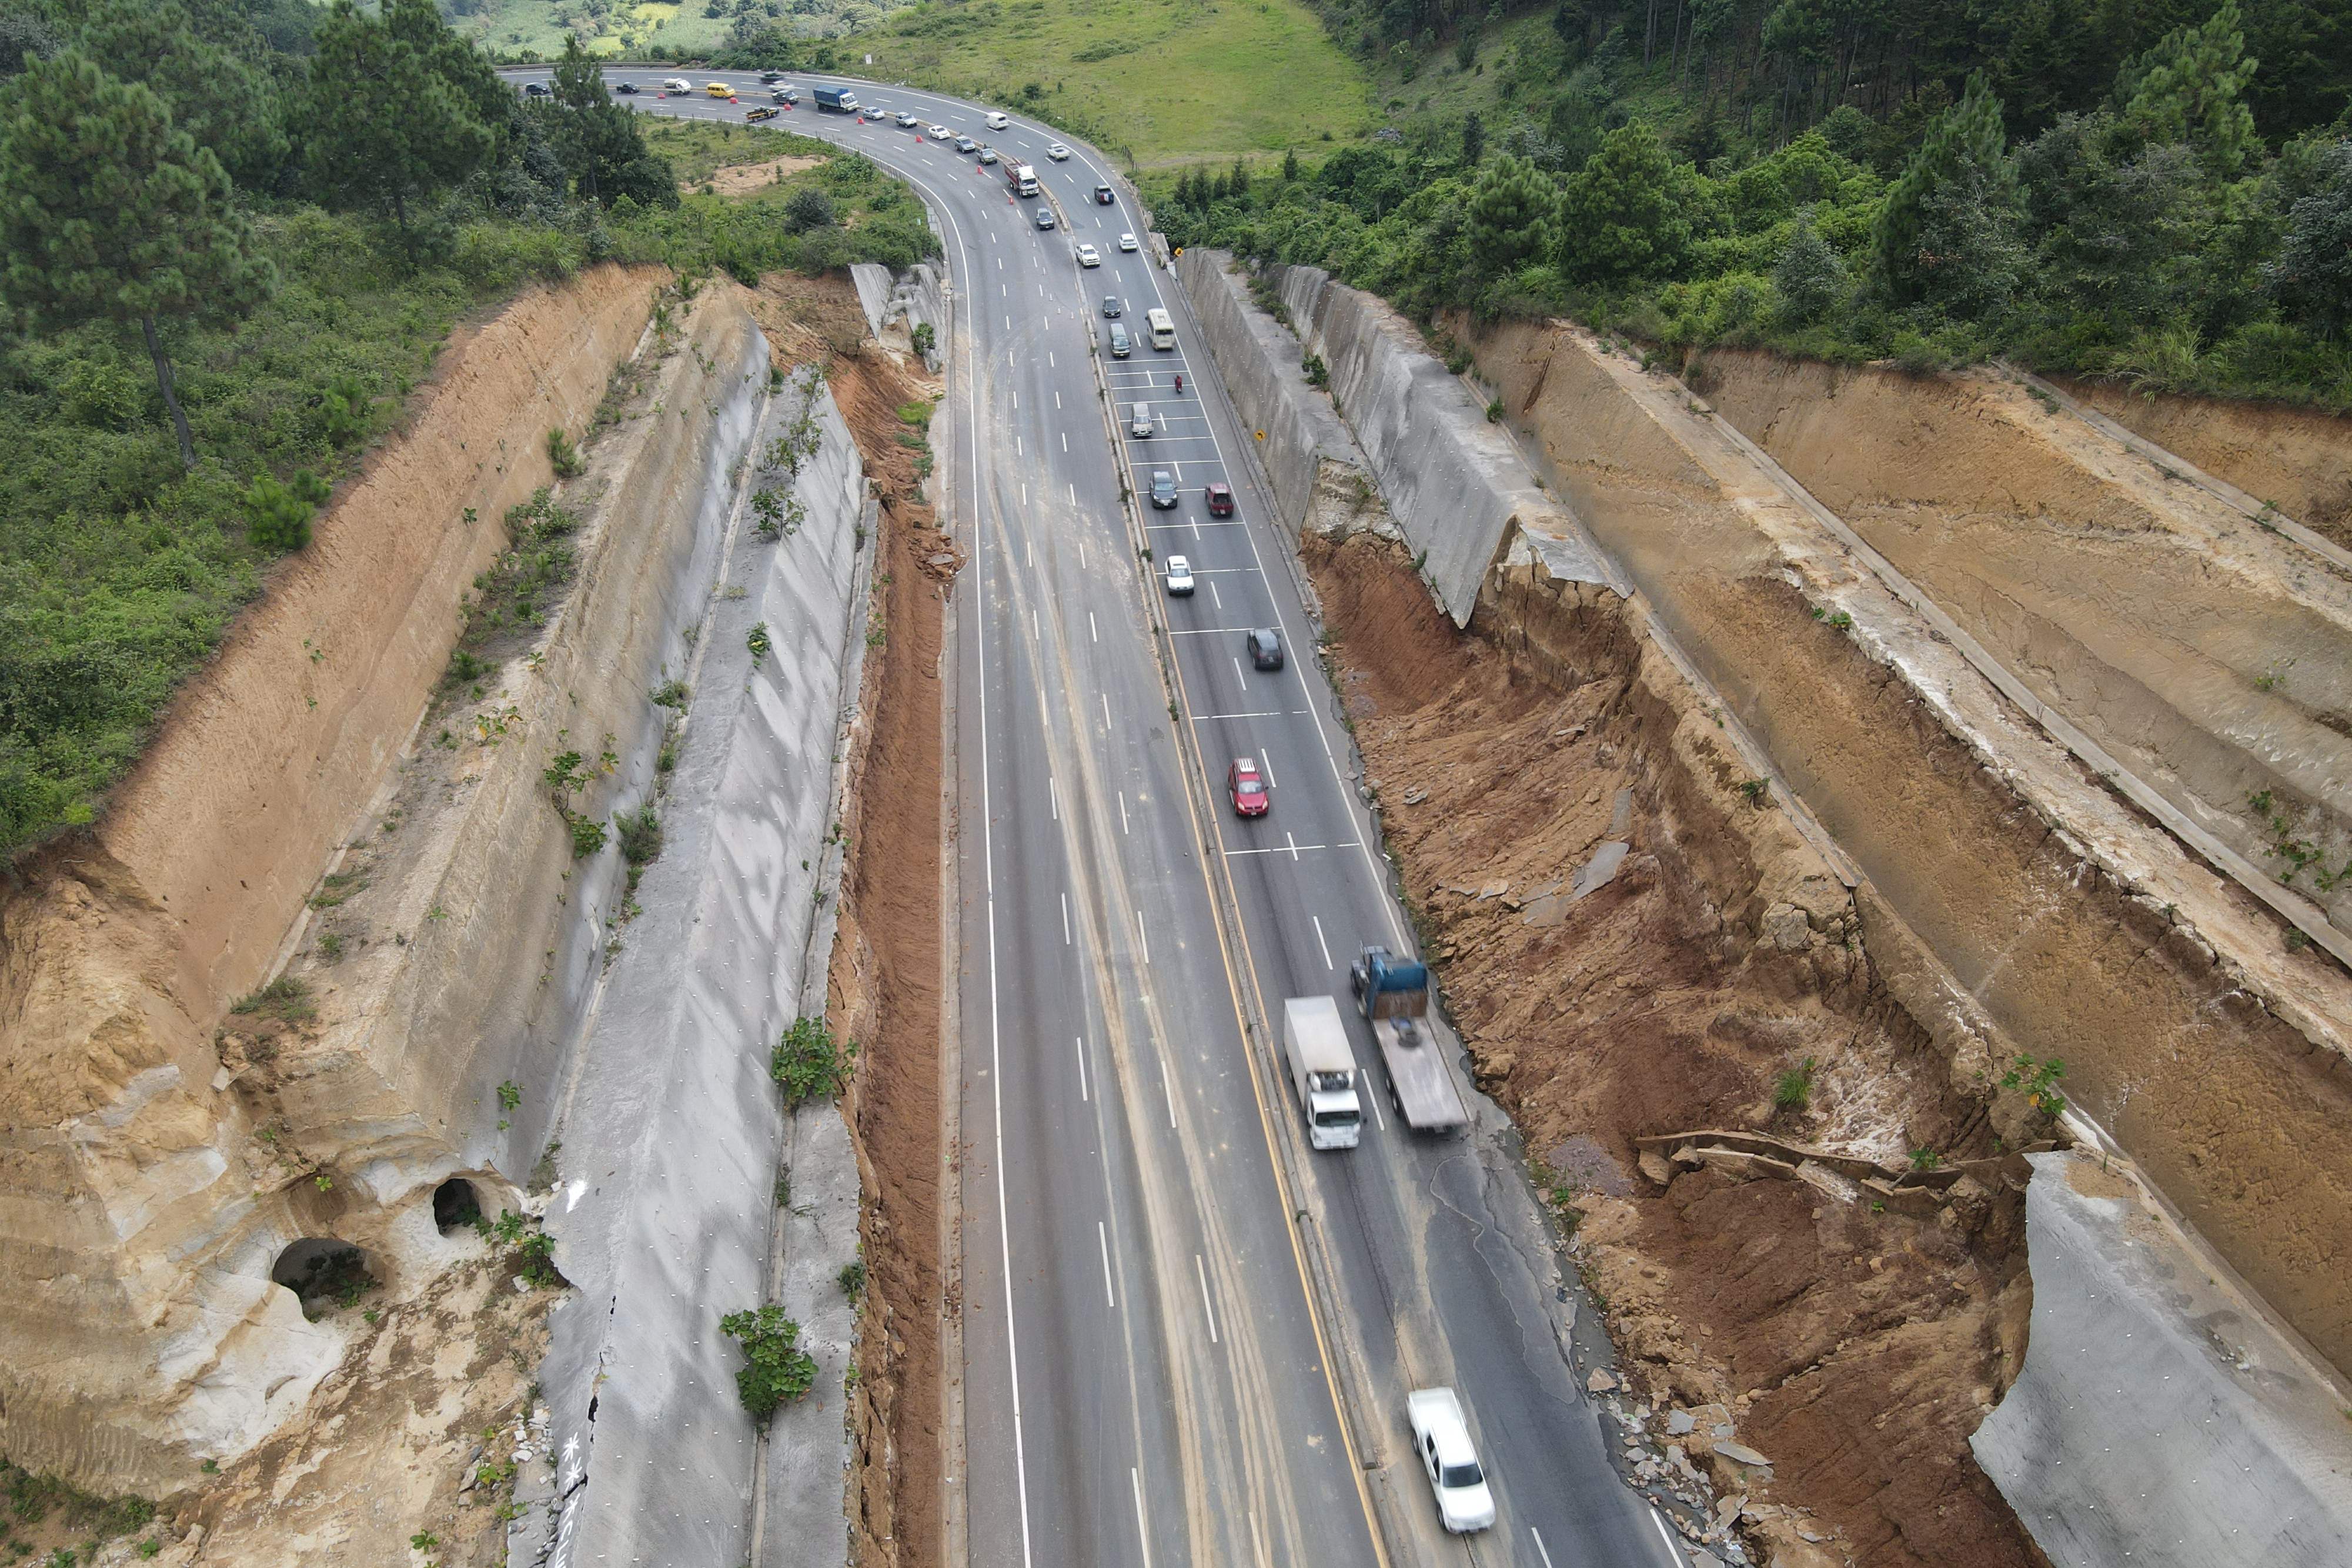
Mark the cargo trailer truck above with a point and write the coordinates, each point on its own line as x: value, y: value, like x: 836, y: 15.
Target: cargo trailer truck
x: 1322, y: 1071
x: 840, y: 99
x: 1394, y: 994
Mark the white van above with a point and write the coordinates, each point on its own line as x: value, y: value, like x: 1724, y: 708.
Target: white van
x: 1162, y: 327
x: 998, y: 120
x: 1141, y: 426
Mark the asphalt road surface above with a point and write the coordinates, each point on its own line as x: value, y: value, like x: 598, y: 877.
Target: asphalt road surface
x: 1151, y: 1376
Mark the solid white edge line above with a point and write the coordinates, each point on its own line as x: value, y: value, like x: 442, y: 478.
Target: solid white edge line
x: 1142, y: 1536
x: 1200, y: 1272
x: 1081, y: 1042
x: 1674, y: 1552
x: 1103, y: 1236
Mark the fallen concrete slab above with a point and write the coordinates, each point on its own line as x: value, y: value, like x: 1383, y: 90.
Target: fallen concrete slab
x: 2160, y: 1420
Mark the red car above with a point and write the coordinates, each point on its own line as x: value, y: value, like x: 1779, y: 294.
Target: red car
x: 1221, y: 500
x: 1247, y: 788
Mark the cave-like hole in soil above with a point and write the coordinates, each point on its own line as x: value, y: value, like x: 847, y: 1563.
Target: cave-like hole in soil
x: 456, y: 1206
x: 325, y: 1275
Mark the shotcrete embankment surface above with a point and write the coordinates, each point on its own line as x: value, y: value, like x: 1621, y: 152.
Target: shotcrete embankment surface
x: 663, y: 1213
x: 1454, y: 482
x: 2108, y: 1444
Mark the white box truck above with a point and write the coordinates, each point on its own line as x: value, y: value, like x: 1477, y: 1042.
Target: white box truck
x: 1322, y: 1071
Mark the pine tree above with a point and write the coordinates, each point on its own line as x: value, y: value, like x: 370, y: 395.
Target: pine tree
x: 1510, y: 208
x: 599, y: 140
x: 1290, y: 165
x: 221, y: 98
x: 1966, y: 145
x: 2312, y: 276
x: 107, y: 212
x: 1241, y: 177
x: 396, y: 112
x: 2190, y: 87
x: 1620, y: 216
x: 1473, y: 140
x: 1810, y: 276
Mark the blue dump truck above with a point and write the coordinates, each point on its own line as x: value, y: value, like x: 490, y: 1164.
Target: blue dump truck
x: 1393, y: 995
x: 840, y: 99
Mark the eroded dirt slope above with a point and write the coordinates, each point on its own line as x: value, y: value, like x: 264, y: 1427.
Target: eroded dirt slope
x: 1854, y: 1349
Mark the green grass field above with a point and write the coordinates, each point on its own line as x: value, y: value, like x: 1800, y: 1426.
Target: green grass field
x: 1161, y: 82
x: 646, y: 31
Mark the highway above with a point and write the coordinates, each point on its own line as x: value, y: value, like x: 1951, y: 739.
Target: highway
x: 1153, y: 1375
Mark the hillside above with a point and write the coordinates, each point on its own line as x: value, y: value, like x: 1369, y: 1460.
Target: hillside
x: 298, y: 269
x: 2161, y: 195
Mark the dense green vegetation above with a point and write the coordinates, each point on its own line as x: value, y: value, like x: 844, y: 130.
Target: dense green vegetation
x: 2162, y: 193
x: 234, y: 235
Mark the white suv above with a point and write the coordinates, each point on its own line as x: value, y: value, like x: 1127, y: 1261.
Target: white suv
x: 1089, y: 256
x: 1441, y: 1436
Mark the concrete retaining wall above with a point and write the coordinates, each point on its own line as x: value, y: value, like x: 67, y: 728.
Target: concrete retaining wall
x: 671, y: 1131
x: 1455, y: 484
x: 1322, y: 478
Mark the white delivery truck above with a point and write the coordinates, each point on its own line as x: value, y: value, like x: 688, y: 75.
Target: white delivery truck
x: 1322, y: 1071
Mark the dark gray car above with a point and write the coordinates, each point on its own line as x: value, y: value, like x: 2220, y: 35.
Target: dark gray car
x: 1110, y: 308
x: 1265, y: 649
x: 1163, y: 496
x: 1044, y: 217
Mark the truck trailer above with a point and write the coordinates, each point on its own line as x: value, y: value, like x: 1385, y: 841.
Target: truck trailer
x: 840, y: 99
x: 1393, y: 995
x: 1322, y: 1071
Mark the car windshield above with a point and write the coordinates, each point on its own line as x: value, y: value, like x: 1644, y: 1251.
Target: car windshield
x: 1335, y: 1118
x: 1250, y: 786
x: 1463, y: 1475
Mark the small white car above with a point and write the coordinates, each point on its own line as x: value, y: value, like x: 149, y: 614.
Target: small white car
x: 1179, y: 577
x: 940, y: 133
x: 998, y: 120
x: 1089, y: 256
x: 1127, y: 242
x: 1441, y: 1436
x: 906, y: 121
x: 1059, y: 154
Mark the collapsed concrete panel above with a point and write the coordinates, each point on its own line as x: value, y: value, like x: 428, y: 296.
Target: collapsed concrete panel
x: 2159, y: 1418
x: 1454, y: 482
x: 1321, y: 479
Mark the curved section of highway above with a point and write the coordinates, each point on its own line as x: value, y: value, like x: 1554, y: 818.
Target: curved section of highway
x: 1187, y: 1340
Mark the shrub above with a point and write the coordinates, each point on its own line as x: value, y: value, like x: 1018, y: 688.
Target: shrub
x: 278, y: 516
x: 807, y: 1064
x: 1793, y: 1090
x: 852, y: 1277
x: 587, y: 836
x: 924, y: 338
x: 776, y: 1370
x: 757, y: 641
x: 562, y: 454
x: 640, y: 834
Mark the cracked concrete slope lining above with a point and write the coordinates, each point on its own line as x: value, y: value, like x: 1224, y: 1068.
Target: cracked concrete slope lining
x: 671, y: 1137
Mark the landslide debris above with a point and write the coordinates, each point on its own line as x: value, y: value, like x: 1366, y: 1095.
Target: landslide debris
x: 1820, y: 1355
